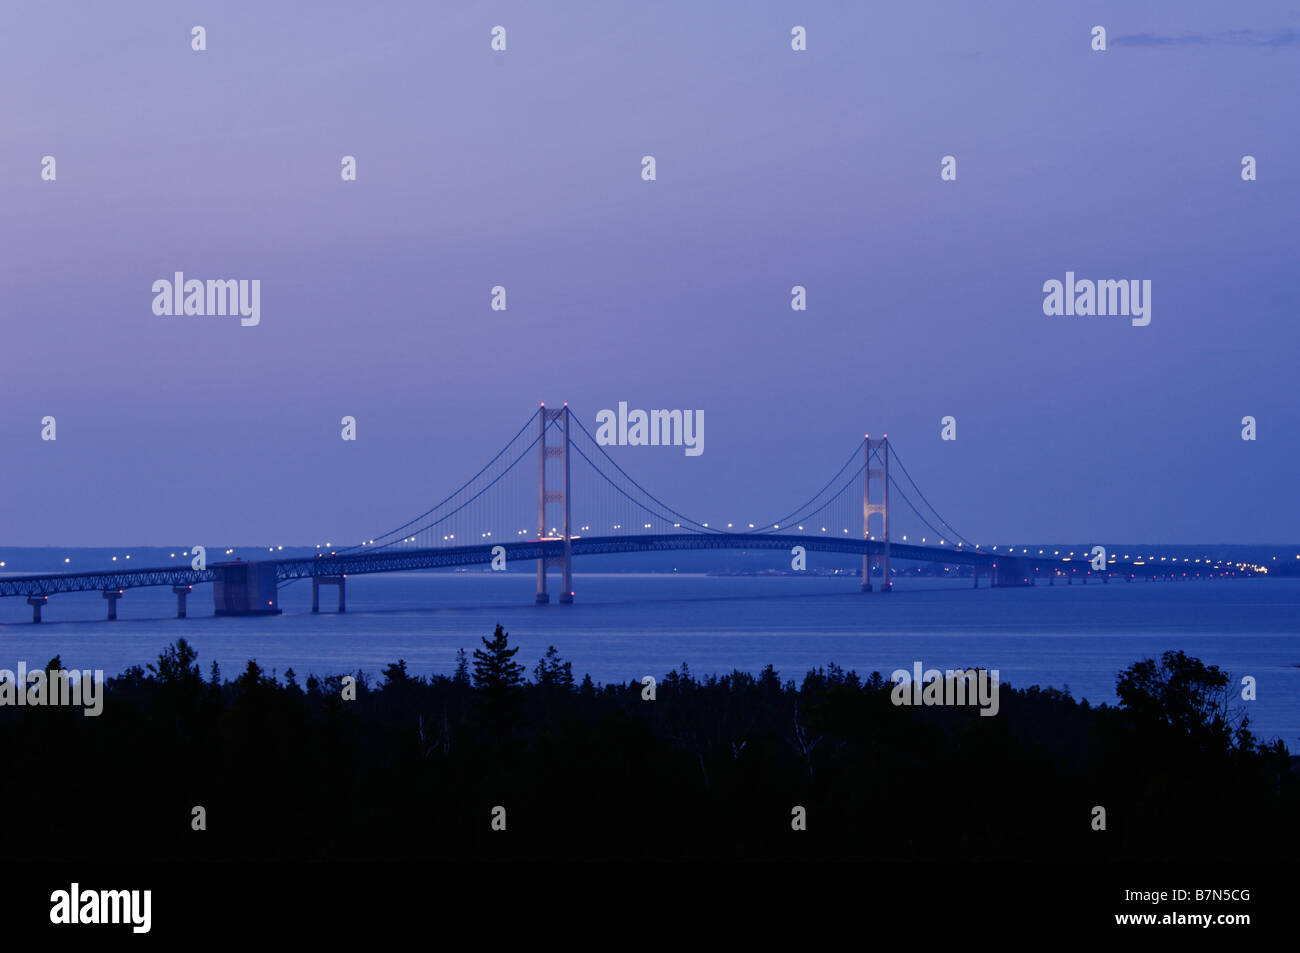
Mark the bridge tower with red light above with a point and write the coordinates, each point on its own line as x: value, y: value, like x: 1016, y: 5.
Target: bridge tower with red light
x: 545, y: 496
x: 869, y: 509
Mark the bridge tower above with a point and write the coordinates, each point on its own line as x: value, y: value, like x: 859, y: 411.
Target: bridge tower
x: 544, y: 496
x: 880, y: 473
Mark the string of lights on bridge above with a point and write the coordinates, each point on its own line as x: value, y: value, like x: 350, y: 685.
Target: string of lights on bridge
x: 1139, y: 560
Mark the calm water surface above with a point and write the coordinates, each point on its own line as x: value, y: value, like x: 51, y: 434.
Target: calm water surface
x: 624, y: 626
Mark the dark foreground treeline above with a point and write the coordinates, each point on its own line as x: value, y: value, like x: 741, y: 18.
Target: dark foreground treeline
x: 413, y: 767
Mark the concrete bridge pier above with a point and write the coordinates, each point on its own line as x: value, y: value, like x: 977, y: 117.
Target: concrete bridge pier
x: 112, y: 595
x: 241, y: 588
x: 36, y: 602
x: 181, y: 593
x: 1009, y: 573
x: 318, y: 581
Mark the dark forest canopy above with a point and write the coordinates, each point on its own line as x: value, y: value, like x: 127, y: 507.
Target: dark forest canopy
x: 403, y: 765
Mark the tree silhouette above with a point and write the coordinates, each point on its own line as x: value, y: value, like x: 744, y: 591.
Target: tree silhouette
x: 176, y: 665
x: 495, y: 670
x: 461, y: 676
x: 1184, y: 696
x: 396, y: 673
x: 553, y: 671
x: 498, y: 683
x: 699, y: 774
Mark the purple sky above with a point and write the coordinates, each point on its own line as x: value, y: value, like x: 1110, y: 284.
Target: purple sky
x: 522, y: 168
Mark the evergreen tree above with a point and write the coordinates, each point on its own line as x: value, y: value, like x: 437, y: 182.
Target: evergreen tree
x: 551, y: 670
x: 395, y: 674
x: 495, y: 670
x: 176, y: 665
x: 251, y: 679
x: 498, y: 684
x: 461, y: 676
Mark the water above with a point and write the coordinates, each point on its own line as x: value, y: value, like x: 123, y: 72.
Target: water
x: 624, y: 626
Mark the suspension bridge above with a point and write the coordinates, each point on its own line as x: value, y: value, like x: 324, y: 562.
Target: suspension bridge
x: 586, y: 504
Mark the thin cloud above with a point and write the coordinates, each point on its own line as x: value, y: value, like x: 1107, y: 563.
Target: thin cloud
x: 1280, y: 37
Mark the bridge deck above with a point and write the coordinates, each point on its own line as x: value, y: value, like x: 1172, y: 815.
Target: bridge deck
x: 396, y: 560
